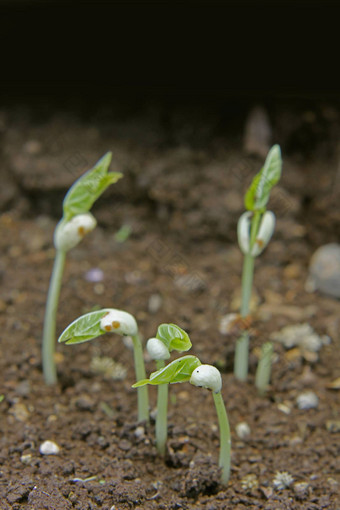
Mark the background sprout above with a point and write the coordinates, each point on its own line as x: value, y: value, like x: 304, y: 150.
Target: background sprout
x: 169, y: 337
x: 255, y: 228
x: 189, y: 368
x: 74, y: 225
x: 94, y: 324
x: 264, y: 368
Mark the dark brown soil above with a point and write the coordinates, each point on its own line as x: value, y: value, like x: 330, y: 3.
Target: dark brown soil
x: 181, y: 195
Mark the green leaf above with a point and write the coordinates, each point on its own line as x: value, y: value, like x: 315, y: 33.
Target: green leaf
x: 173, y: 337
x: 257, y: 195
x: 83, y: 329
x: 177, y: 371
x: 85, y: 191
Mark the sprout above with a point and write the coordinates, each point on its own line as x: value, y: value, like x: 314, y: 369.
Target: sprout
x: 189, y: 368
x: 94, y: 324
x: 169, y: 337
x: 254, y: 230
x: 76, y: 222
x: 264, y: 368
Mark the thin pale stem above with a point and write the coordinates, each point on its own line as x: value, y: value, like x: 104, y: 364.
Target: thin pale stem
x: 162, y: 414
x: 49, y: 333
x: 142, y: 392
x: 264, y: 368
x: 225, y: 441
x: 242, y: 344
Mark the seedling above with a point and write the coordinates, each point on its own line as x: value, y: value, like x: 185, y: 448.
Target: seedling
x: 76, y: 222
x: 254, y: 230
x: 264, y: 368
x: 169, y: 337
x: 189, y: 368
x: 94, y: 324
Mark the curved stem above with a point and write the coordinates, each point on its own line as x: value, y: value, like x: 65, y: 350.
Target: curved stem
x: 49, y: 333
x: 142, y: 392
x: 225, y: 441
x: 162, y: 413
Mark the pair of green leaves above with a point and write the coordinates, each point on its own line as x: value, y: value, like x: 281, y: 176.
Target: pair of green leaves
x: 177, y: 371
x: 257, y: 195
x: 85, y: 191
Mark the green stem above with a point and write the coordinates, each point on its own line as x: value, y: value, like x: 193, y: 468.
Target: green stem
x: 264, y: 368
x: 49, y: 333
x: 142, y: 392
x: 162, y: 413
x: 225, y: 440
x: 242, y: 344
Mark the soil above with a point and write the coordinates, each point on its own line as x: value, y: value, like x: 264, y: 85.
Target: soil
x: 184, y: 177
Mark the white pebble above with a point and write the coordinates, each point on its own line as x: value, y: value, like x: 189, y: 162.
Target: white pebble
x: 49, y: 448
x: 307, y: 400
x: 242, y: 430
x: 155, y: 303
x: 324, y: 269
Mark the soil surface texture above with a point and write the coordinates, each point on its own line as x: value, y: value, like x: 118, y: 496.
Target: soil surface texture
x: 185, y: 174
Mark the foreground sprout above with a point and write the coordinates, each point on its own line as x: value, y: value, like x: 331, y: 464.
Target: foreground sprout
x: 189, y: 368
x: 94, y: 324
x: 254, y: 231
x: 169, y: 337
x: 76, y: 222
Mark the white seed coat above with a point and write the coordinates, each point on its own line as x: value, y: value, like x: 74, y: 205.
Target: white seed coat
x: 157, y: 350
x: 118, y: 321
x: 207, y: 376
x: 68, y: 235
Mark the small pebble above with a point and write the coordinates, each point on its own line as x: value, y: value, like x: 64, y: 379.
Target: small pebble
x: 139, y: 432
x: 49, y: 448
x: 94, y: 275
x: 227, y: 323
x: 324, y: 270
x: 307, y: 400
x: 298, y: 335
x: 242, y: 430
x: 155, y: 303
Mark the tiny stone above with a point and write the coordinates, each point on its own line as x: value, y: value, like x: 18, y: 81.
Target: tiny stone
x: 26, y: 458
x: 298, y: 335
x: 226, y: 323
x: 125, y: 445
x: 324, y: 269
x: 85, y: 403
x: 19, y: 411
x: 307, y: 400
x: 140, y: 432
x: 242, y: 430
x: 94, y: 275
x: 155, y: 303
x: 99, y: 289
x: 49, y: 448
